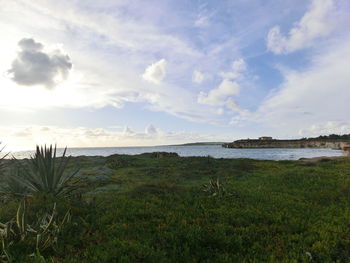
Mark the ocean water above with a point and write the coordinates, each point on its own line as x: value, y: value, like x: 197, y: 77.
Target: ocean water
x: 215, y: 151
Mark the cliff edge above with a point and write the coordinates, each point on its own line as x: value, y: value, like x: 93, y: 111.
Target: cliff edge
x: 273, y: 143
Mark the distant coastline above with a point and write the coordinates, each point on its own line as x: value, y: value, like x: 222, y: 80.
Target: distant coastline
x: 337, y: 142
x: 200, y: 144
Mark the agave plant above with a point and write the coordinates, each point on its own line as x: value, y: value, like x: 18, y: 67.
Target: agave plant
x: 43, y: 173
x: 12, y: 186
x: 2, y: 165
x: 2, y: 158
x: 214, y: 187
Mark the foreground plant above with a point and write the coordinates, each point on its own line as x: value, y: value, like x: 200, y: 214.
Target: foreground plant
x: 39, y: 235
x: 2, y: 165
x: 214, y: 187
x: 43, y: 173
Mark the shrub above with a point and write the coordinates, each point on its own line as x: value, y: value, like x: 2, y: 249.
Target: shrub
x: 160, y: 154
x: 43, y: 173
x: 214, y: 187
x: 2, y: 158
x: 117, y: 161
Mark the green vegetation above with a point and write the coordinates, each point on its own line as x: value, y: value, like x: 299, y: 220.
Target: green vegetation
x: 331, y: 137
x: 2, y: 158
x: 214, y: 187
x: 147, y: 208
x: 31, y: 238
x: 44, y: 173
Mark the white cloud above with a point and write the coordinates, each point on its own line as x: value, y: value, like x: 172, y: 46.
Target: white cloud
x: 316, y: 96
x: 26, y: 137
x: 317, y: 22
x: 237, y: 69
x: 230, y: 86
x: 108, y: 51
x: 127, y: 131
x: 184, y: 106
x: 239, y: 65
x: 155, y: 72
x: 99, y: 84
x: 232, y: 105
x: 220, y: 111
x: 240, y: 119
x: 203, y: 16
x: 202, y: 21
x: 116, y: 28
x: 326, y: 128
x: 150, y: 130
x: 220, y: 96
x: 34, y: 66
x: 198, y: 77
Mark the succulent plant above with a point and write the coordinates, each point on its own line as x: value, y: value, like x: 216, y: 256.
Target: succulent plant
x: 43, y: 173
x: 214, y: 187
x: 2, y: 158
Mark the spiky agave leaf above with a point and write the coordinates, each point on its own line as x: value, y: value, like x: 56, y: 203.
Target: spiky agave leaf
x: 214, y: 187
x: 43, y: 173
x: 45, y: 229
x: 52, y: 171
x: 46, y: 172
x: 21, y: 218
x: 3, y: 157
x: 2, y: 165
x: 14, y: 184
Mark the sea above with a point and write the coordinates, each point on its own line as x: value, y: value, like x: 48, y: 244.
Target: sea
x: 215, y: 151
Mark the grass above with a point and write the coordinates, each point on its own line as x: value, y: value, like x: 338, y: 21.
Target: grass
x: 155, y: 210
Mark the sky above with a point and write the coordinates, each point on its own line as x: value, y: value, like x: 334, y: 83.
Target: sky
x: 156, y: 72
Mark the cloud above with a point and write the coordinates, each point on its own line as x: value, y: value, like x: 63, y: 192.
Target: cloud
x: 315, y: 23
x: 237, y: 69
x: 198, y: 77
x: 109, y: 51
x: 127, y: 131
x: 203, y: 18
x: 232, y: 105
x: 220, y: 111
x: 240, y: 119
x: 118, y: 28
x: 202, y: 21
x: 230, y: 86
x: 34, y: 66
x: 326, y: 128
x: 220, y: 96
x: 315, y: 96
x: 155, y: 72
x: 150, y: 130
x: 239, y: 65
x: 29, y: 44
x: 28, y: 136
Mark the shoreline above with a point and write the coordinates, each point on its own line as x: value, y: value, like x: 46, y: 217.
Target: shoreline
x: 281, y: 156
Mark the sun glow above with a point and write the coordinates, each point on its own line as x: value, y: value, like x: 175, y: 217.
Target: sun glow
x: 16, y: 97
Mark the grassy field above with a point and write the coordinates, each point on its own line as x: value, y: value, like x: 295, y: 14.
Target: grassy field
x: 149, y: 209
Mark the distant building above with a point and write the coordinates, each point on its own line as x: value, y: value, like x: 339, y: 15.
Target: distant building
x: 265, y: 138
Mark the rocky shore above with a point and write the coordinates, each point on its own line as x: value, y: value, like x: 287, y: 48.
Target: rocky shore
x: 272, y: 143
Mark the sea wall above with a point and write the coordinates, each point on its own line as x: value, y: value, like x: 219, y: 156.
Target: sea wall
x: 338, y: 145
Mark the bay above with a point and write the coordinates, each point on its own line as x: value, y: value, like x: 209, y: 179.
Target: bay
x: 215, y: 151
